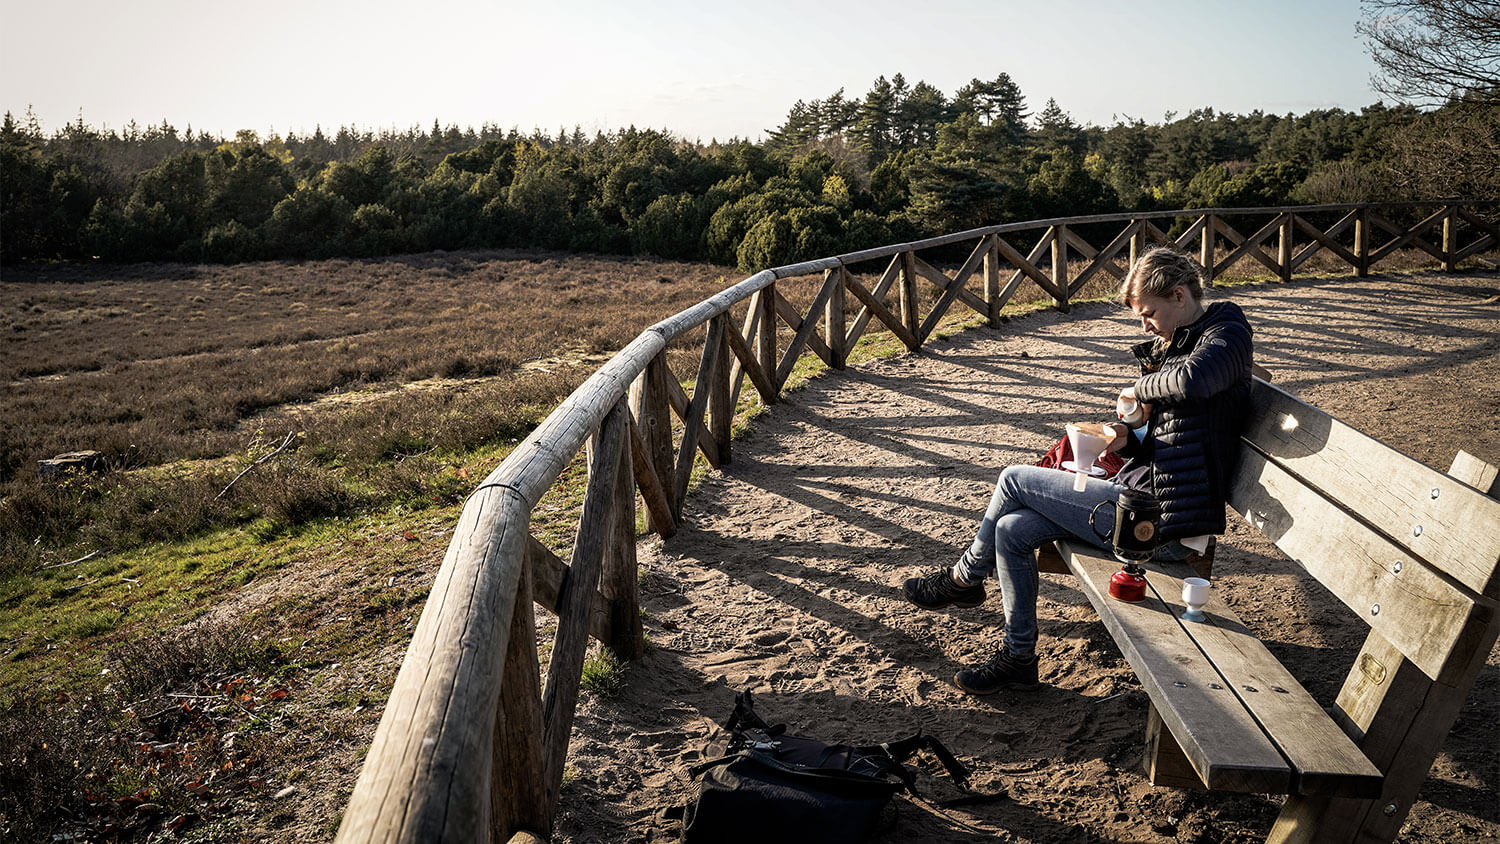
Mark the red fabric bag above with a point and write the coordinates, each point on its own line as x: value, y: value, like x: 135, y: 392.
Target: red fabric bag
x: 1109, y: 461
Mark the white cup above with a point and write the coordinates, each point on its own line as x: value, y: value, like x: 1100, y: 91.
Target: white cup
x: 1195, y: 595
x: 1129, y: 410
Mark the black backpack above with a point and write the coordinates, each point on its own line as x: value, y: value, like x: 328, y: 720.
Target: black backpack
x: 770, y: 786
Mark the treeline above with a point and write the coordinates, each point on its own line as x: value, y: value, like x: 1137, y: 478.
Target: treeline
x: 839, y: 174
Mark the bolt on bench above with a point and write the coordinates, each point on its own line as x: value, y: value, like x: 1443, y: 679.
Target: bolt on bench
x: 1413, y: 552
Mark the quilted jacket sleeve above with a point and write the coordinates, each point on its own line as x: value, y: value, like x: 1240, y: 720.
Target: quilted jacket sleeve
x: 1220, y: 360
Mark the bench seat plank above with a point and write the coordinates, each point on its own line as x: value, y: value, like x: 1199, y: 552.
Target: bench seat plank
x: 1324, y: 760
x: 1218, y: 735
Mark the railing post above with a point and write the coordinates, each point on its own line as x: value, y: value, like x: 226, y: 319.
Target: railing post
x: 1284, y: 247
x: 1450, y: 240
x: 1137, y: 242
x: 992, y: 281
x: 1361, y: 243
x: 653, y: 415
x: 1060, y: 265
x: 908, y: 292
x: 833, y: 318
x: 619, y: 584
x: 1206, y: 240
x: 766, y: 343
x: 518, y: 787
x: 575, y: 601
x: 720, y: 411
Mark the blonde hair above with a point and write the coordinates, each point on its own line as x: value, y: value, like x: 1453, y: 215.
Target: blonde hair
x: 1158, y: 273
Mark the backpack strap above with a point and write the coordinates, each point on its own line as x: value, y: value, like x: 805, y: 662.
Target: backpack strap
x: 744, y: 715
x: 900, y: 751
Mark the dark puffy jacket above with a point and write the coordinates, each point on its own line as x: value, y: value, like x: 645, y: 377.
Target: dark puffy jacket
x: 1199, y: 385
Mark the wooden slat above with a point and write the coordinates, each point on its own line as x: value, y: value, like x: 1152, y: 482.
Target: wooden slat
x: 1323, y: 759
x: 682, y: 406
x: 1060, y: 265
x: 693, y: 428
x: 1391, y: 590
x: 746, y: 363
x: 992, y: 299
x: 650, y: 407
x: 579, y: 597
x: 737, y: 374
x: 1480, y: 223
x: 1206, y: 244
x: 833, y: 321
x: 1195, y: 230
x: 548, y: 574
x: 1103, y: 259
x: 1247, y: 246
x: 890, y: 320
x: 1404, y: 237
x: 1320, y: 240
x: 806, y: 328
x: 1226, y: 747
x: 1328, y: 239
x: 720, y: 411
x: 1158, y: 235
x: 1476, y: 247
x: 906, y: 291
x: 1400, y: 718
x: 953, y: 289
x: 1472, y: 471
x: 861, y: 319
x: 794, y: 320
x: 1027, y: 265
x: 618, y: 588
x: 519, y: 797
x: 659, y: 516
x: 1393, y: 493
x: 941, y: 280
x: 1166, y: 764
x: 765, y: 346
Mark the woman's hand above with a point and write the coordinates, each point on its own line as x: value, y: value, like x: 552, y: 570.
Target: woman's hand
x: 1126, y: 403
x: 1119, y: 435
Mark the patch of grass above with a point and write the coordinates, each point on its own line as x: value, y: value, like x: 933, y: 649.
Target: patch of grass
x: 603, y: 675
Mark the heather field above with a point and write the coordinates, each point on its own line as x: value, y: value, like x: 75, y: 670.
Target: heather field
x: 197, y: 644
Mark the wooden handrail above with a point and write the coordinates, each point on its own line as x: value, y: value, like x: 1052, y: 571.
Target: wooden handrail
x: 466, y: 750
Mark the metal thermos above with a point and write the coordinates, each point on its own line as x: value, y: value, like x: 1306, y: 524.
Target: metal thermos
x: 1134, y: 540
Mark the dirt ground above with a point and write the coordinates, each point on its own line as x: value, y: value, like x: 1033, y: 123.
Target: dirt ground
x: 784, y: 579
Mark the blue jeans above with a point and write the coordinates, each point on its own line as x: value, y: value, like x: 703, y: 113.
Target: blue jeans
x: 1030, y: 507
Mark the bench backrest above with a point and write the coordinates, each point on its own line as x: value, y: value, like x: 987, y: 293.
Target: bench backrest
x: 1412, y: 551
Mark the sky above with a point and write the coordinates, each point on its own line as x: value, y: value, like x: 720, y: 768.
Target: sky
x: 701, y: 70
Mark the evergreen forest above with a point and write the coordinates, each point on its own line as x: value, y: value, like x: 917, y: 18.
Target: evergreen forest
x: 841, y: 173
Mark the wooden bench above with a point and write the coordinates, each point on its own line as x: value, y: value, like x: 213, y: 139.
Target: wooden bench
x: 1412, y: 552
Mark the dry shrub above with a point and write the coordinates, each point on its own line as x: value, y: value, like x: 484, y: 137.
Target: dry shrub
x: 145, y: 752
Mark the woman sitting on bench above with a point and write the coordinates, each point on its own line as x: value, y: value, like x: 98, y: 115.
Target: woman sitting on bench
x: 1195, y: 388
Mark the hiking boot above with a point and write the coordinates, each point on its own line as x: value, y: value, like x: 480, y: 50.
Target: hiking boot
x: 937, y: 590
x: 1004, y: 670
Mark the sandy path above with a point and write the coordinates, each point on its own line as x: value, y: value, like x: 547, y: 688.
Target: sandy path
x: 784, y: 577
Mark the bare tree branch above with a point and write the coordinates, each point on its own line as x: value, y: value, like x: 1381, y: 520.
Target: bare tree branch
x: 1431, y: 51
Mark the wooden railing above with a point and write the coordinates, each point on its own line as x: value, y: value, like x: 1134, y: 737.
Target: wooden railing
x: 470, y: 746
